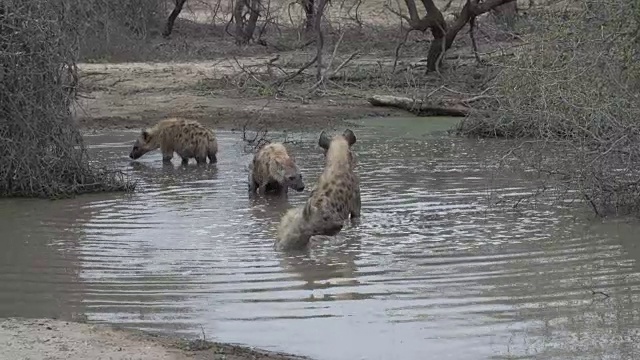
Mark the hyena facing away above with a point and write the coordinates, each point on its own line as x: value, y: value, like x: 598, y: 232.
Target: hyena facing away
x: 335, y: 198
x: 273, y: 170
x: 188, y: 138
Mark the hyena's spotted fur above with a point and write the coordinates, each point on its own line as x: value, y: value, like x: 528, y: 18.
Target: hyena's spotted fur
x: 274, y: 170
x: 335, y: 198
x: 188, y: 138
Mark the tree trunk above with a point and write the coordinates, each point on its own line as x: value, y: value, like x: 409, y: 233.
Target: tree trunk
x: 244, y: 31
x: 250, y: 28
x: 172, y: 17
x: 442, y: 40
x: 238, y: 18
x: 320, y: 38
x: 441, y: 43
x: 308, y: 10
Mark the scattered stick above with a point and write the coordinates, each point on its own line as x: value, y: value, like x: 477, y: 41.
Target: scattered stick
x: 328, y: 74
x: 245, y: 69
x: 283, y: 80
x: 593, y: 292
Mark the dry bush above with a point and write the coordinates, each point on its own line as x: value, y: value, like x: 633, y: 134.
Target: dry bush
x: 255, y: 140
x: 574, y: 90
x: 108, y: 28
x: 41, y: 150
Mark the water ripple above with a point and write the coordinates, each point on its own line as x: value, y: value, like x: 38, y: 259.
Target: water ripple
x: 431, y: 266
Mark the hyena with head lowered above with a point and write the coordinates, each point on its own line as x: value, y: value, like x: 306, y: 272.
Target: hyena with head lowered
x: 335, y: 198
x: 188, y: 138
x: 273, y: 170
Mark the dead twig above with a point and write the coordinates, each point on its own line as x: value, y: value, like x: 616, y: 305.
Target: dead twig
x: 328, y: 74
x: 281, y: 81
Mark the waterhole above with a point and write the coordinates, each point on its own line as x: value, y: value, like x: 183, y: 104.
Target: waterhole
x: 431, y: 271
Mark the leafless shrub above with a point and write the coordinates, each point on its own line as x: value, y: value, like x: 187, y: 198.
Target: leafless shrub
x: 254, y: 140
x: 41, y: 150
x: 575, y: 90
x: 260, y: 136
x: 104, y: 26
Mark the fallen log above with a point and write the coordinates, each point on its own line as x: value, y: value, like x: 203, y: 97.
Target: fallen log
x: 419, y: 107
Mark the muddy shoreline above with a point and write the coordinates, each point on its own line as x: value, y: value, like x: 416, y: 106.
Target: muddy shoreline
x: 137, y: 95
x: 56, y: 339
x: 279, y: 116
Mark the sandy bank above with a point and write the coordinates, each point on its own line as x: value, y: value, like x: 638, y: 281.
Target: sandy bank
x: 36, y: 339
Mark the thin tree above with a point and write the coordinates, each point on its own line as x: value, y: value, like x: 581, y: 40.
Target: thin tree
x: 172, y: 17
x: 246, y: 27
x: 443, y: 33
x: 308, y: 6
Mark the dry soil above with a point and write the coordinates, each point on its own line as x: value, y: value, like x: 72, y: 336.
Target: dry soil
x: 46, y: 339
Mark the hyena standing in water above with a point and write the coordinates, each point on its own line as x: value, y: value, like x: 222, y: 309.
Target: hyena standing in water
x: 188, y: 138
x: 335, y: 198
x: 274, y: 170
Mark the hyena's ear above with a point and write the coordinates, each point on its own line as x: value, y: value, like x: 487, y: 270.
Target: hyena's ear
x: 145, y: 135
x: 350, y: 136
x: 324, y: 140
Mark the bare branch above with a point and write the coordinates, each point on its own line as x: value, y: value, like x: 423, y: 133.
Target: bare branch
x: 328, y: 74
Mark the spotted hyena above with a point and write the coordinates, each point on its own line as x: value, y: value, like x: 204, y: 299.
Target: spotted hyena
x: 188, y: 138
x: 335, y: 198
x: 274, y: 170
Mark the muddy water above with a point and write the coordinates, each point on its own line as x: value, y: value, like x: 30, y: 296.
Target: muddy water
x: 430, y: 272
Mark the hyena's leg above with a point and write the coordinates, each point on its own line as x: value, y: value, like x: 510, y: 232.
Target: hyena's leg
x: 201, y: 160
x: 167, y: 154
x: 212, y: 157
x: 252, y: 184
x: 274, y: 187
x: 357, y: 205
x: 201, y: 154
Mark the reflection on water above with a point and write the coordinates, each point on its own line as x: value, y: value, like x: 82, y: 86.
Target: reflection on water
x: 431, y: 271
